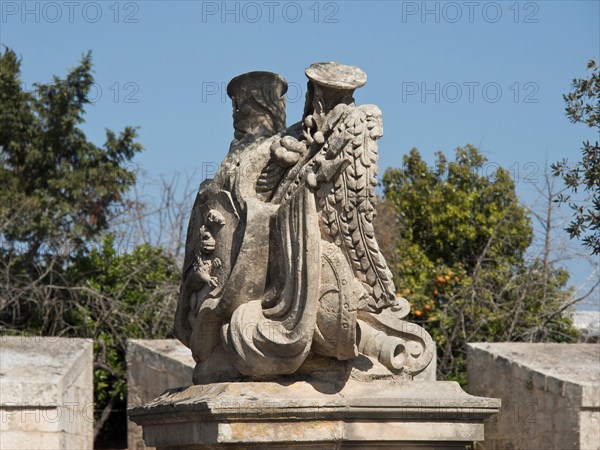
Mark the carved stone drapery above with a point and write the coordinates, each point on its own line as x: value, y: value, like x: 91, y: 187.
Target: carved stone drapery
x: 282, y: 269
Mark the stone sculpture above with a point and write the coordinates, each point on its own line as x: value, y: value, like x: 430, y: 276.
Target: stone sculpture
x: 286, y: 302
x: 282, y: 272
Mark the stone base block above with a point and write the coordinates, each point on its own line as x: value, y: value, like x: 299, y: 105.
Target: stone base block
x: 155, y: 365
x: 304, y: 414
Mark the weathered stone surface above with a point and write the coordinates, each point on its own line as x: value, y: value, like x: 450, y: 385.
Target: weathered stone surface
x: 550, y: 393
x: 316, y: 414
x: 153, y: 366
x: 46, y: 393
x: 281, y: 258
x: 286, y: 302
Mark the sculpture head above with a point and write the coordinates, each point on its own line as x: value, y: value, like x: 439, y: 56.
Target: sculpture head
x: 258, y: 103
x: 331, y: 84
x: 207, y: 242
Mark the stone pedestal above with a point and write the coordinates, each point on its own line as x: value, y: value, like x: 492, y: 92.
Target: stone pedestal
x: 319, y: 414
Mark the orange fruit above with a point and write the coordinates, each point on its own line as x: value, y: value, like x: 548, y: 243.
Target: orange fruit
x: 427, y: 307
x: 418, y: 313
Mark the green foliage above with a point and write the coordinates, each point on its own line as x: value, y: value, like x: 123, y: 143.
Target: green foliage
x: 583, y: 106
x: 63, y: 273
x: 450, y: 213
x: 122, y: 296
x: 461, y: 258
x: 56, y: 185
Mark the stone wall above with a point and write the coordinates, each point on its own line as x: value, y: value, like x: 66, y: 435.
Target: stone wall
x: 46, y: 393
x: 550, y: 394
x: 154, y: 365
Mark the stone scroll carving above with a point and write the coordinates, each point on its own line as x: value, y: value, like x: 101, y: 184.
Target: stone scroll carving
x: 282, y: 266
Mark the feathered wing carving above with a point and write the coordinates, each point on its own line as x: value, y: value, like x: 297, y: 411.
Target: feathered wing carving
x: 348, y: 208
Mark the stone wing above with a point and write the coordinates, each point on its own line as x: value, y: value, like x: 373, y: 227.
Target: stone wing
x: 348, y: 208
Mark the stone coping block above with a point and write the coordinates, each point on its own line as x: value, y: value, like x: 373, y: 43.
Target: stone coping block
x: 557, y: 368
x: 153, y: 366
x: 550, y: 393
x: 46, y: 393
x: 315, y: 415
x: 173, y: 353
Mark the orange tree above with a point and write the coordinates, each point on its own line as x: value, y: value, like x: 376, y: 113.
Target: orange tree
x: 461, y: 257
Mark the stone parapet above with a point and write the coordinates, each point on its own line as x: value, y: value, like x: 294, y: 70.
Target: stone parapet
x: 550, y: 394
x: 46, y: 393
x: 153, y: 366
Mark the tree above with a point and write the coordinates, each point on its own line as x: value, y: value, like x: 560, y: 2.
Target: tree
x: 461, y: 258
x: 62, y: 271
x: 120, y: 293
x: 56, y: 185
x: 583, y: 106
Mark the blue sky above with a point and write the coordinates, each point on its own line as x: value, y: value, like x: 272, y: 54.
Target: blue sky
x: 444, y: 73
